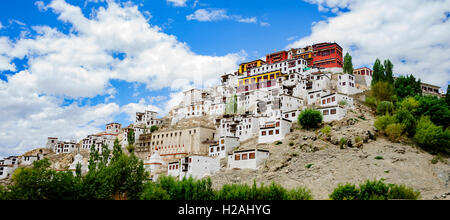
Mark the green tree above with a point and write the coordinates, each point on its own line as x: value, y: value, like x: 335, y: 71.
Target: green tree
x: 434, y: 107
x: 130, y: 137
x: 348, y: 65
x: 407, y: 86
x: 153, y: 128
x: 447, y: 95
x: 383, y: 91
x: 310, y: 118
x: 378, y: 72
x: 117, y: 149
x: 388, y: 68
x: 431, y: 137
x: 93, y: 158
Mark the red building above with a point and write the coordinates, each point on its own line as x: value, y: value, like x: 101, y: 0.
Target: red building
x: 327, y: 55
x: 276, y: 57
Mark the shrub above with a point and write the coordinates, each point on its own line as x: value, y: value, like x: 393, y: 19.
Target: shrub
x: 358, y: 139
x: 309, y: 165
x: 379, y: 158
x: 153, y: 128
x: 408, y: 121
x: 299, y: 194
x: 326, y: 130
x: 431, y: 137
x: 342, y: 142
x: 410, y: 104
x: 345, y: 192
x: 383, y: 91
x: 278, y: 143
x: 310, y: 118
x: 343, y: 102
x: 402, y: 192
x: 291, y: 143
x: 382, y: 122
x: 373, y: 190
x: 385, y: 107
x: 394, y: 132
x: 371, y: 102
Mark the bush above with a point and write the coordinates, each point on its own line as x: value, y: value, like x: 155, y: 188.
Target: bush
x: 326, y: 130
x: 343, y: 103
x: 379, y: 158
x: 408, y: 121
x: 371, y: 102
x: 278, y: 143
x: 385, y: 107
x: 402, y: 192
x: 299, y: 194
x: 407, y: 86
x: 291, y: 143
x: 342, y: 142
x: 383, y: 91
x: 345, y: 192
x: 410, y: 104
x: 373, y: 190
x: 153, y: 128
x: 394, y: 132
x: 358, y: 139
x: 309, y: 165
x: 431, y: 137
x: 310, y: 118
x: 382, y: 122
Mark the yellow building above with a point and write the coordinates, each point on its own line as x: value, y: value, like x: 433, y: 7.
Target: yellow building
x: 244, y: 67
x: 259, y: 78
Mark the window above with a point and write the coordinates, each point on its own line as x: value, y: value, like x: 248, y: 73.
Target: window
x: 333, y: 99
x: 263, y: 133
x: 223, y: 147
x: 277, y: 124
x: 251, y: 156
x: 323, y: 102
x: 333, y: 111
x: 271, y: 132
x: 326, y: 112
x: 277, y: 131
x: 212, y: 149
x: 244, y: 156
x: 237, y: 157
x: 222, y: 141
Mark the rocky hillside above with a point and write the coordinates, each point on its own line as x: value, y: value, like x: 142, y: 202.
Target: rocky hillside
x: 374, y: 157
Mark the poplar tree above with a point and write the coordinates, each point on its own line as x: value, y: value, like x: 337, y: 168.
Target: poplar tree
x: 377, y: 72
x: 388, y: 66
x: 348, y: 65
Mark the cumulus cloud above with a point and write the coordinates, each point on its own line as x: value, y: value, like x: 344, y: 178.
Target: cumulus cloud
x: 209, y: 14
x: 131, y: 109
x: 115, y: 42
x: 178, y: 3
x: 413, y: 34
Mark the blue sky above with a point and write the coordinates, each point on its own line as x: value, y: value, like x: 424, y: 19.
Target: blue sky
x: 66, y: 74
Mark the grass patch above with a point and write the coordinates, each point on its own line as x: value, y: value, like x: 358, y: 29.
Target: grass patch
x: 309, y: 165
x: 379, y: 158
x: 278, y: 143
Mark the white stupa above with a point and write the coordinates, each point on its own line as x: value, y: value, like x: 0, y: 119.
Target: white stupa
x: 154, y: 162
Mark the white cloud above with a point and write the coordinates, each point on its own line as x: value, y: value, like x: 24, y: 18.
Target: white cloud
x: 81, y: 64
x: 178, y: 3
x: 413, y: 34
x: 1, y: 26
x: 207, y: 15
